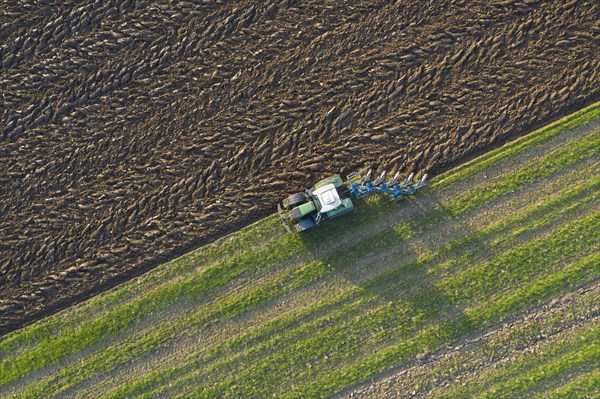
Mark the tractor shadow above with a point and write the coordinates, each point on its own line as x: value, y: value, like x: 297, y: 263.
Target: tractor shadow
x: 390, y: 265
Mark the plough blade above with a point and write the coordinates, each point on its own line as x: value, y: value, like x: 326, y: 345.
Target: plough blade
x: 393, y: 181
x: 407, y: 181
x: 421, y: 181
x: 366, y: 177
x: 379, y: 179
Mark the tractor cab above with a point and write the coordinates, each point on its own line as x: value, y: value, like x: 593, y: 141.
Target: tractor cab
x: 328, y: 198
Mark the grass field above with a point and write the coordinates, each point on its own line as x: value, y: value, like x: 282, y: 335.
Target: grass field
x: 486, y: 284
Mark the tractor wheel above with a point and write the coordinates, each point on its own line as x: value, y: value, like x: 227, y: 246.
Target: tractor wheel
x: 336, y: 180
x: 304, y: 224
x: 294, y: 200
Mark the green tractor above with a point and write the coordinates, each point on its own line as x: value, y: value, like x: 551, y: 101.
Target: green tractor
x: 332, y: 197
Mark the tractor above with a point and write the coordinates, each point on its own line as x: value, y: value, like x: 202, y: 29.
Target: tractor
x: 333, y: 197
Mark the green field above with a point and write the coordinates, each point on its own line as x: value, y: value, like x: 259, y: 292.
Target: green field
x: 485, y: 284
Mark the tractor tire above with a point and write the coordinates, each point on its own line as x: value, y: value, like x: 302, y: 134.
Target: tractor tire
x: 304, y: 224
x: 294, y: 200
x: 336, y: 180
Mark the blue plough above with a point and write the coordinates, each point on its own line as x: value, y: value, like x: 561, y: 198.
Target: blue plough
x: 362, y: 186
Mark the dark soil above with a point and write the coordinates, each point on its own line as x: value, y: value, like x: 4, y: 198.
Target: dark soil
x: 134, y: 131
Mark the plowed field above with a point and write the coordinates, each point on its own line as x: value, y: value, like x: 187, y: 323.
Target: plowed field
x: 133, y: 130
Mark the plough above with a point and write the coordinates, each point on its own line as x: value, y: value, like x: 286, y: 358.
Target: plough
x: 361, y: 186
x: 333, y: 197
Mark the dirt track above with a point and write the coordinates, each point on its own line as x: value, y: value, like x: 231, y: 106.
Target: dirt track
x: 132, y: 131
